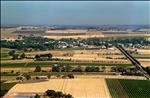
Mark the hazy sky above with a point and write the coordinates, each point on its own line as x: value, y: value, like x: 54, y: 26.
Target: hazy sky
x: 75, y: 12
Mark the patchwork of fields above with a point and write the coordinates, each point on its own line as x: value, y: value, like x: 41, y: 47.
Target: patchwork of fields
x: 89, y: 87
x: 79, y: 88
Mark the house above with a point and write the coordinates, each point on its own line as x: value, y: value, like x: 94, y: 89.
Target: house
x: 42, y: 77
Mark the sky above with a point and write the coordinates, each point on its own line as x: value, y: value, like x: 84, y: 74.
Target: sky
x: 75, y: 12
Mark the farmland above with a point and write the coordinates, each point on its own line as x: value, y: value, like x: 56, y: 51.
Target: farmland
x: 124, y: 88
x: 76, y: 87
x: 5, y: 87
x: 46, y: 64
x: 89, y: 49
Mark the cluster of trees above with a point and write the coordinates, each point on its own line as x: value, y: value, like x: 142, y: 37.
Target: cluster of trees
x: 57, y: 94
x: 68, y: 68
x: 36, y: 43
x: 44, y: 56
x: 16, y: 56
x: 3, y: 92
x: 92, y: 69
x: 39, y: 43
x: 127, y: 71
x: 61, y: 68
x: 28, y: 77
x: 147, y: 69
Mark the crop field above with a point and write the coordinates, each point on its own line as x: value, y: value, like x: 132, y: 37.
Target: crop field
x: 30, y: 32
x: 75, y: 73
x: 112, y: 32
x: 66, y: 31
x: 6, y: 86
x: 145, y: 64
x: 79, y: 88
x: 75, y: 36
x: 47, y: 64
x: 9, y: 35
x: 128, y: 88
x: 142, y: 51
x: 7, y: 78
x: 64, y: 34
x: 127, y: 35
x: 12, y: 65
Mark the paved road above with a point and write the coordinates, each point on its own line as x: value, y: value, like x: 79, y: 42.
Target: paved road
x: 134, y: 62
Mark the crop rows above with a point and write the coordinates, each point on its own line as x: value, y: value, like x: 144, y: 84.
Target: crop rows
x: 127, y: 88
x: 136, y: 88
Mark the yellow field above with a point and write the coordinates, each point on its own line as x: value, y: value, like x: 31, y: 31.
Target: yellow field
x: 66, y: 31
x: 75, y: 37
x: 143, y: 51
x: 5, y: 34
x: 145, y: 63
x: 23, y: 69
x: 79, y: 88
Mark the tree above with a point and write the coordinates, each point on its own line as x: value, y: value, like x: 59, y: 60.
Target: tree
x: 55, y: 68
x: 27, y: 77
x: 22, y: 56
x: 15, y: 56
x: 58, y: 94
x: 50, y: 93
x: 38, y: 69
x: 11, y: 53
x: 12, y: 71
x: 49, y: 76
x: 49, y: 55
x: 37, y: 56
x: 103, y: 68
x: 37, y: 96
x: 70, y: 76
x: 19, y: 78
x: 148, y: 69
x: 68, y: 96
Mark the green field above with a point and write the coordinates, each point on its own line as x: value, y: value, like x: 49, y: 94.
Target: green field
x: 5, y: 87
x: 46, y: 64
x: 9, y: 74
x: 136, y: 88
x: 125, y: 88
x: 65, y: 73
x: 12, y: 64
x: 4, y: 55
x: 142, y: 57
